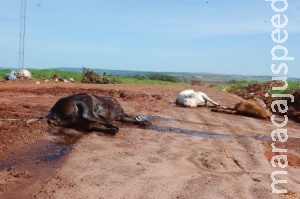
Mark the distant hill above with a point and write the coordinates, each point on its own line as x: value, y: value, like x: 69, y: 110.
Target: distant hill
x: 208, y: 77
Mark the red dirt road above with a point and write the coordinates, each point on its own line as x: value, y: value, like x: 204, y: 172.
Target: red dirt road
x: 181, y: 156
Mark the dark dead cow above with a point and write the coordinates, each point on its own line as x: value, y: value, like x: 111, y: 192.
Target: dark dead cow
x: 90, y: 112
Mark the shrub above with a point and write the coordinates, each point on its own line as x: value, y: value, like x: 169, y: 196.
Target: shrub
x: 164, y: 77
x: 91, y: 77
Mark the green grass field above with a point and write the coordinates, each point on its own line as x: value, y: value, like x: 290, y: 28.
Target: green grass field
x: 133, y: 80
x: 48, y: 74
x: 234, y: 85
x: 77, y: 76
x: 292, y: 86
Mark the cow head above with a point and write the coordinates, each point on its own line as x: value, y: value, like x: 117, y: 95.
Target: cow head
x: 54, y: 119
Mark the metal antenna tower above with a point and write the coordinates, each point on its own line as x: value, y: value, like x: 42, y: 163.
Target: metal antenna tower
x: 22, y: 33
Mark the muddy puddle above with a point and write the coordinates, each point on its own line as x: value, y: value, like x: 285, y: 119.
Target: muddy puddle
x: 24, y: 172
x: 153, y: 118
x: 194, y: 132
x: 41, y: 152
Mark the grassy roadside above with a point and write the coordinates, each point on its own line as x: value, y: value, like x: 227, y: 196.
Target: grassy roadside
x: 234, y: 85
x: 133, y: 80
x: 240, y: 85
x: 48, y: 74
x: 77, y: 76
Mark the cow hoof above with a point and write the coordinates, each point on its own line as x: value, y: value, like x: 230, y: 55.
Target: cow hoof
x: 146, y: 123
x: 111, y: 132
x: 115, y: 128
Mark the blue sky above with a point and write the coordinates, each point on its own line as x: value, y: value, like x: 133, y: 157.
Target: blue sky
x: 227, y: 37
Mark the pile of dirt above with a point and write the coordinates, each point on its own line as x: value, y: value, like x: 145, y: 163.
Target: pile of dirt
x: 294, y: 107
x: 91, y: 77
x: 259, y: 91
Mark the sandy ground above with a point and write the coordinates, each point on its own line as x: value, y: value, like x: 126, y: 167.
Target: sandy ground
x: 187, y: 153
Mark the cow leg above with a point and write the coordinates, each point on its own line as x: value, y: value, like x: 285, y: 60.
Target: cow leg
x: 97, y: 127
x: 134, y: 119
x: 224, y: 110
x: 207, y: 99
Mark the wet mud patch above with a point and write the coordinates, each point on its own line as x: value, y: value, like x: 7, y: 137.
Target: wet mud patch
x: 191, y: 132
x: 22, y: 173
x: 153, y: 118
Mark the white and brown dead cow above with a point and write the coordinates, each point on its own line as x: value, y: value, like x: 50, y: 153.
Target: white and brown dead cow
x: 190, y: 98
